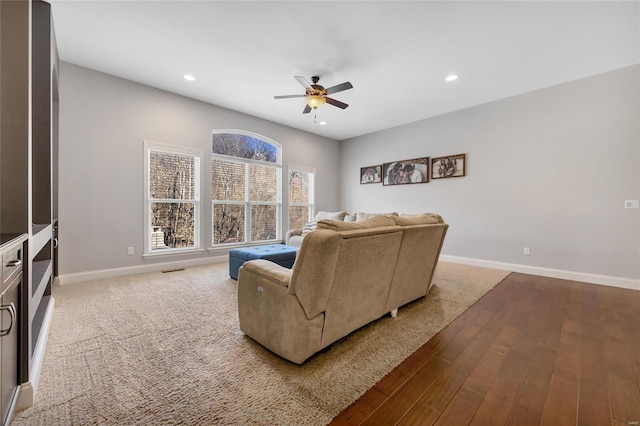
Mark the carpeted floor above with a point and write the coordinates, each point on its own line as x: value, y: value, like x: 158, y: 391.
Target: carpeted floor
x: 166, y: 349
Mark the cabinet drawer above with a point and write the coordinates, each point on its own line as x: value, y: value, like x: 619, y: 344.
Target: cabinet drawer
x: 11, y: 265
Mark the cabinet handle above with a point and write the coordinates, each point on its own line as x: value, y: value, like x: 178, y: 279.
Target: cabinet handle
x: 12, y: 313
x: 55, y: 243
x: 15, y: 262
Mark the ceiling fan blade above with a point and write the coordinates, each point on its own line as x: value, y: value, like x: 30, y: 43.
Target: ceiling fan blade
x: 306, y: 110
x: 339, y: 88
x: 335, y: 103
x: 288, y: 96
x: 303, y: 81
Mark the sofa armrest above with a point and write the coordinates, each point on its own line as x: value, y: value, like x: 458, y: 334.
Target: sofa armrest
x: 271, y: 316
x: 291, y: 233
x: 269, y: 270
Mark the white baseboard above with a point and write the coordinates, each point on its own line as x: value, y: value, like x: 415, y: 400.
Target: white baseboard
x: 548, y: 272
x: 41, y: 345
x: 26, y: 397
x: 28, y: 390
x: 525, y: 269
x: 139, y: 269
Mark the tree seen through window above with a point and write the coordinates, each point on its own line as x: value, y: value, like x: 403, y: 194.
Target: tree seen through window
x: 173, y: 198
x: 300, y: 197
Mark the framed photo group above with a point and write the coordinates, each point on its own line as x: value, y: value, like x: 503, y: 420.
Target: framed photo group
x: 416, y: 170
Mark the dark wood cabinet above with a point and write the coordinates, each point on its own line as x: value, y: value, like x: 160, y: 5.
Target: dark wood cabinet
x: 11, y: 254
x: 28, y: 140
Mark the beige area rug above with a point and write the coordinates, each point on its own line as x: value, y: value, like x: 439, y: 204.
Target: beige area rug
x: 166, y: 349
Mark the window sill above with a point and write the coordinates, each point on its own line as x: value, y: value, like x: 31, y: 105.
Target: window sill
x: 228, y: 247
x: 177, y: 252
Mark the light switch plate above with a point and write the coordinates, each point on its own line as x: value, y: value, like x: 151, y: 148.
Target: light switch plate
x: 632, y: 204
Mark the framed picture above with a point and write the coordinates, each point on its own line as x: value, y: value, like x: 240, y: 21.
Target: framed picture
x: 406, y: 171
x: 371, y: 174
x: 449, y: 166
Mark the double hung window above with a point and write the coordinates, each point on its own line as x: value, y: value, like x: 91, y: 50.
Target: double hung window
x: 173, y: 198
x: 301, y: 188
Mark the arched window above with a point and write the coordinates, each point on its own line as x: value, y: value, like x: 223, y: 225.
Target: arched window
x: 246, y: 176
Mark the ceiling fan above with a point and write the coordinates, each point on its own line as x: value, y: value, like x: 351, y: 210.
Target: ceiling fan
x: 316, y: 95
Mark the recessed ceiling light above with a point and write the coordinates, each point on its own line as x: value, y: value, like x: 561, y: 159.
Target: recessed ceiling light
x: 323, y: 123
x: 189, y: 77
x: 451, y: 77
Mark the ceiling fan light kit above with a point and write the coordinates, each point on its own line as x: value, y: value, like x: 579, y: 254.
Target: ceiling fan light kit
x: 315, y: 101
x: 316, y: 95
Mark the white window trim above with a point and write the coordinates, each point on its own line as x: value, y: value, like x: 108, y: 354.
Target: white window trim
x: 197, y: 153
x: 247, y: 203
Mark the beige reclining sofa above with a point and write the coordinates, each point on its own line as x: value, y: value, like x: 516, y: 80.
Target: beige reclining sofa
x: 346, y: 275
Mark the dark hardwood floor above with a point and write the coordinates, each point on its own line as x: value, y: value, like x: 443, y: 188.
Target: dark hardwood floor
x: 533, y: 351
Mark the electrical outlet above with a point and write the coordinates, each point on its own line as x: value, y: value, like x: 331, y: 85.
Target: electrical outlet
x: 527, y: 252
x: 632, y: 204
x: 130, y: 251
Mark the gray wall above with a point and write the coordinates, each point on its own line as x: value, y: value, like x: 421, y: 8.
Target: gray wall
x: 103, y: 123
x: 549, y: 170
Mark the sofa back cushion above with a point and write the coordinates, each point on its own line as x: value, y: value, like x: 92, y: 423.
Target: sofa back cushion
x: 350, y: 217
x: 417, y: 219
x: 311, y: 226
x: 363, y: 216
x: 417, y: 260
x: 354, y: 217
x: 372, y: 222
x: 314, y: 269
x: 363, y: 274
x: 330, y: 215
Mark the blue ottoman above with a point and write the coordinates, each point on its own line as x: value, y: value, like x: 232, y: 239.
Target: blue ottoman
x: 277, y: 253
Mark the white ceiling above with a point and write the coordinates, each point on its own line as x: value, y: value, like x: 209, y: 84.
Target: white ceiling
x: 396, y: 54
